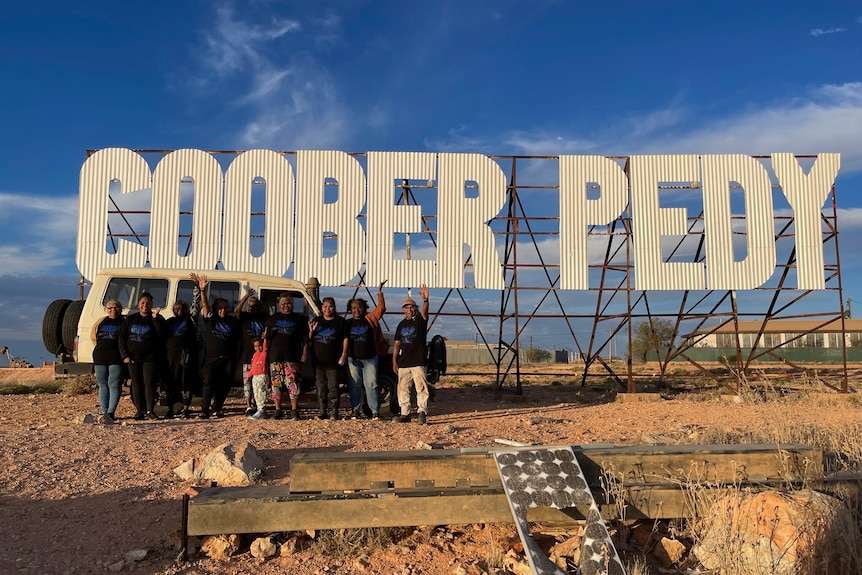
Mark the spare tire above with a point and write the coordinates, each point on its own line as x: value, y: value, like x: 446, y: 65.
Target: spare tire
x: 52, y: 326
x: 70, y: 324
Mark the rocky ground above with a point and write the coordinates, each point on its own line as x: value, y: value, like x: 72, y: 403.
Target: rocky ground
x: 79, y: 498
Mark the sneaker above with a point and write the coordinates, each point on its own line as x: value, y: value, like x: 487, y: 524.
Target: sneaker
x: 354, y: 414
x: 139, y: 416
x: 204, y: 415
x: 321, y: 415
x: 112, y: 417
x: 375, y: 417
x: 278, y: 414
x: 219, y: 414
x: 187, y: 413
x: 421, y: 419
x: 294, y: 414
x: 258, y: 415
x: 250, y: 411
x: 401, y: 418
x: 333, y: 416
x: 169, y: 414
x: 152, y: 415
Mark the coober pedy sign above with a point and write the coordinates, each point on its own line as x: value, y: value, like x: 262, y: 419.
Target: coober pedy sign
x: 222, y: 210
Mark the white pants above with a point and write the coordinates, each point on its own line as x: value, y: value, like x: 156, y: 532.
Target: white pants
x: 260, y: 383
x: 415, y: 376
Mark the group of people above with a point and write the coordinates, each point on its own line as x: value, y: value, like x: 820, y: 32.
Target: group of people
x: 202, y: 345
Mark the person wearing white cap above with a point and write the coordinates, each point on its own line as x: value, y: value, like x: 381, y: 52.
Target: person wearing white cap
x: 408, y: 357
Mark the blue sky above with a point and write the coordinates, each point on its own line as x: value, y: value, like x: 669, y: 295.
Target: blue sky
x: 495, y: 77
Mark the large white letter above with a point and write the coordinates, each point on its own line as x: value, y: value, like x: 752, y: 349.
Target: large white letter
x: 722, y: 273
x: 806, y: 195
x: 652, y: 222
x: 577, y: 212
x: 385, y: 219
x: 206, y: 174
x: 462, y: 220
x: 315, y: 218
x: 97, y: 173
x: 277, y: 175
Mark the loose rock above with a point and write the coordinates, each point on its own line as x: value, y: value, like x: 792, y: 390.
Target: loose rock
x: 263, y: 547
x: 221, y: 547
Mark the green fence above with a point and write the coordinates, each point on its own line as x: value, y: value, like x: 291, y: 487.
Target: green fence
x: 794, y: 354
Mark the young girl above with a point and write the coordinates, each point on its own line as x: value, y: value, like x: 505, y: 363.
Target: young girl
x: 260, y: 375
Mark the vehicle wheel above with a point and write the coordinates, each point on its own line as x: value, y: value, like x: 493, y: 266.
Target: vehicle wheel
x: 52, y: 326
x: 70, y: 324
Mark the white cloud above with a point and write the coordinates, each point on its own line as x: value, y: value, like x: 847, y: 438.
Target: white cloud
x: 57, y: 216
x: 849, y: 218
x: 233, y: 45
x: 827, y: 119
x: 35, y: 258
x: 291, y: 101
x: 821, y: 32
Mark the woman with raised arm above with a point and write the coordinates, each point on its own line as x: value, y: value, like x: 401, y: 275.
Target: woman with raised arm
x: 222, y: 336
x: 366, y: 343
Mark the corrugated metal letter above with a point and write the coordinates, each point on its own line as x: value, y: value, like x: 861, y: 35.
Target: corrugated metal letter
x: 577, y: 212
x: 314, y: 217
x: 385, y: 218
x: 97, y: 173
x: 806, y: 194
x: 277, y: 174
x: 206, y: 174
x: 462, y: 220
x: 650, y: 223
x: 722, y: 272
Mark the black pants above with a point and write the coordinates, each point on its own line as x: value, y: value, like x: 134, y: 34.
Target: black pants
x: 180, y: 376
x: 328, y: 394
x: 143, y: 376
x: 218, y: 376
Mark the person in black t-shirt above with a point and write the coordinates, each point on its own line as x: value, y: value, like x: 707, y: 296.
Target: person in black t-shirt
x: 142, y: 346
x: 365, y: 344
x: 408, y: 357
x: 287, y: 334
x: 107, y: 361
x: 181, y: 350
x: 329, y: 344
x: 222, y: 335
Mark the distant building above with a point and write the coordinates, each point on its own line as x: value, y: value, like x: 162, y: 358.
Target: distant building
x: 806, y: 340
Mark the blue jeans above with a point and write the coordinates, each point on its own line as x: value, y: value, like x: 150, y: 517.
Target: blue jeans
x: 110, y: 380
x: 362, y: 372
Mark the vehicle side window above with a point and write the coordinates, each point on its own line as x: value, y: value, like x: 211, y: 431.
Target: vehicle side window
x: 226, y: 290
x: 128, y: 290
